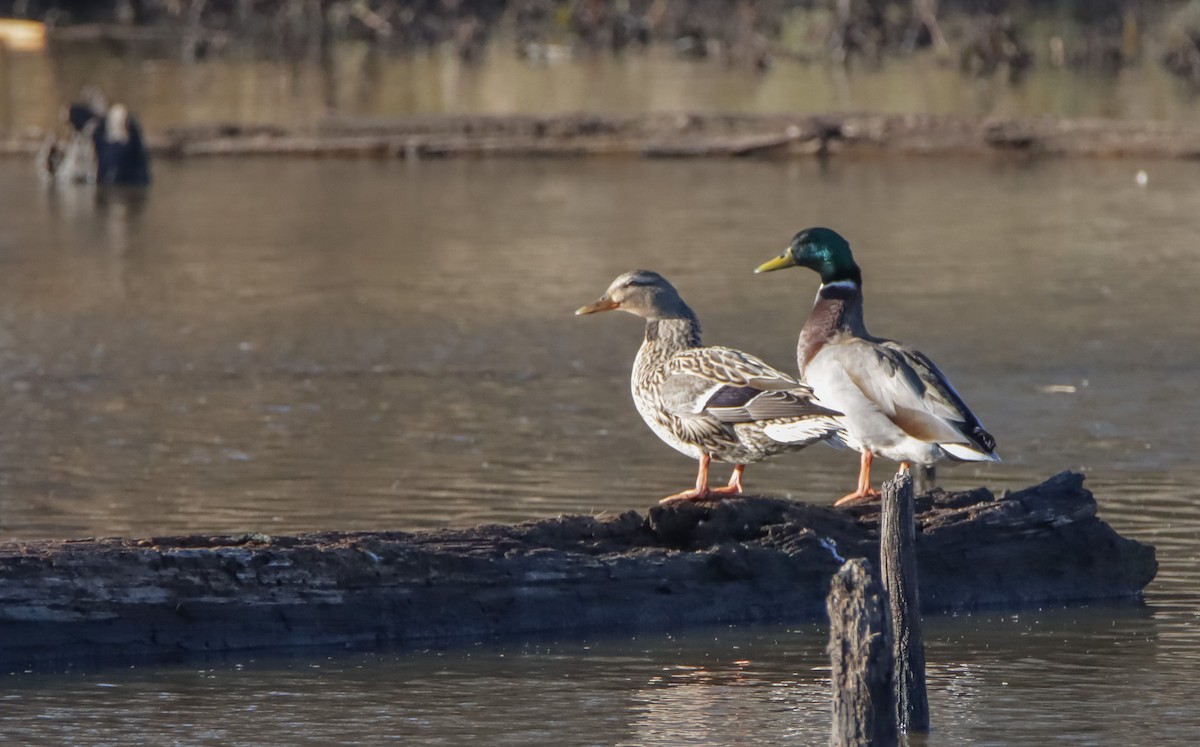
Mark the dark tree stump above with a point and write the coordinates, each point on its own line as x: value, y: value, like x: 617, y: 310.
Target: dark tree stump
x: 741, y: 561
x: 898, y: 564
x: 860, y: 653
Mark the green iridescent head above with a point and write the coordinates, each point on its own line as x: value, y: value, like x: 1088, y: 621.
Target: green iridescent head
x: 822, y: 250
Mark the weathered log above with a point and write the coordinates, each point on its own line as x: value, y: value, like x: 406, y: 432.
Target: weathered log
x: 678, y: 135
x: 861, y: 660
x: 898, y: 568
x: 746, y: 560
x: 692, y: 135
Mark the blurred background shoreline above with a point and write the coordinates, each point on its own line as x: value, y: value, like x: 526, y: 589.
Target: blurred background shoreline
x: 297, y: 63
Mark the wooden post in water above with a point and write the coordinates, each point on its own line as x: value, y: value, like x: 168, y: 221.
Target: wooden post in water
x: 860, y: 651
x: 898, y: 566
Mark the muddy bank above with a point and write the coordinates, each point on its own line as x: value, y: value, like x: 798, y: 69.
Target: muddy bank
x: 684, y: 135
x: 755, y: 559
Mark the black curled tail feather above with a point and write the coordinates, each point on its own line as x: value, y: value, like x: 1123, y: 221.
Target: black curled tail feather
x: 983, y: 439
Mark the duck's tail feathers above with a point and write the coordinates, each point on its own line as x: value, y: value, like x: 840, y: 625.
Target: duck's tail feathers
x: 969, y: 453
x: 803, y: 431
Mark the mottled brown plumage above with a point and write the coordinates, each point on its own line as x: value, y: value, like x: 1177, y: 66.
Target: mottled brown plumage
x: 709, y: 402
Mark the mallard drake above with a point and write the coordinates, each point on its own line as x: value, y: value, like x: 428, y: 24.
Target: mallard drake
x: 709, y: 402
x: 896, y: 402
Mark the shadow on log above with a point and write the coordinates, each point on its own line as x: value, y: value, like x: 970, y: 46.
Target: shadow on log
x: 748, y: 560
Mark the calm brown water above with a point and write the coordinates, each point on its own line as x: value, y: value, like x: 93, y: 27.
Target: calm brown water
x: 261, y: 345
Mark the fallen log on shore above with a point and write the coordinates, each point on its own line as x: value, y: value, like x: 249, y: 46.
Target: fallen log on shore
x: 745, y: 560
x: 691, y: 135
x: 674, y: 135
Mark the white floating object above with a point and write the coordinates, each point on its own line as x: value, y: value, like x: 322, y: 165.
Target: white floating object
x: 1058, y: 389
x: 1142, y: 178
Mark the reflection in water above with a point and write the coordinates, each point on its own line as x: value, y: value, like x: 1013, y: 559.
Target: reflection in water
x: 1084, y: 676
x: 358, y: 79
x: 727, y: 702
x: 359, y: 345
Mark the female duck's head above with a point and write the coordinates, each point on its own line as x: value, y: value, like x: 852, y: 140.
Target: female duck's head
x: 822, y: 250
x: 642, y: 293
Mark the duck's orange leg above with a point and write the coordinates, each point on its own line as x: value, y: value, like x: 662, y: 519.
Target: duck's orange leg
x: 735, y: 482
x: 864, y: 491
x: 702, y: 491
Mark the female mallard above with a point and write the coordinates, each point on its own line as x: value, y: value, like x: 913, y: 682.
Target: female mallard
x: 709, y: 402
x: 896, y: 402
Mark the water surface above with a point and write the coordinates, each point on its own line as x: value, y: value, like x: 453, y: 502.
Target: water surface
x: 260, y: 345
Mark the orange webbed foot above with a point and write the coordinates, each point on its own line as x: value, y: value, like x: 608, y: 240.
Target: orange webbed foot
x: 857, y: 497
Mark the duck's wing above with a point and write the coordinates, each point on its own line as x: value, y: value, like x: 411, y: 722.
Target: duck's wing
x: 915, y: 395
x: 734, y: 387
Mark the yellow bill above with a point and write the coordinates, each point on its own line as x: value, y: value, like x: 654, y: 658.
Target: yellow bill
x: 604, y: 304
x: 780, y: 262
